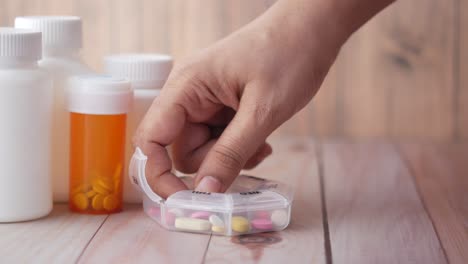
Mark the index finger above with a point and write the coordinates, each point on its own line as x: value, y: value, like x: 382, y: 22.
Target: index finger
x: 162, y: 123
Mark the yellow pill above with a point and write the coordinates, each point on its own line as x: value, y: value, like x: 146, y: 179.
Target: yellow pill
x: 240, y: 224
x: 117, y: 172
x: 80, y: 201
x: 81, y: 188
x: 217, y: 229
x: 102, y: 183
x: 90, y: 194
x: 110, y: 202
x: 97, y: 202
x: 99, y: 189
x: 116, y: 185
x: 106, y: 183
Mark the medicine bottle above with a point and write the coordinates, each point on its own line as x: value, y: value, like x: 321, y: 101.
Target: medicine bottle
x: 25, y: 115
x: 61, y: 43
x: 98, y: 108
x: 147, y: 74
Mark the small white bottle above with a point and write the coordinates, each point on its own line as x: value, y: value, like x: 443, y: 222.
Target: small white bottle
x: 26, y: 107
x: 147, y: 74
x: 61, y: 43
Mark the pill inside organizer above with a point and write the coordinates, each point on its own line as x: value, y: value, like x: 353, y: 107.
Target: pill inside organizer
x: 250, y: 205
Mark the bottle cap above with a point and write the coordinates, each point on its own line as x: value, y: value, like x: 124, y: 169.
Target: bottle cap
x: 20, y: 44
x: 99, y: 95
x: 62, y: 32
x: 145, y: 71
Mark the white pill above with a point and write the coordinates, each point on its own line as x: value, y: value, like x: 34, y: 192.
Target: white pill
x: 177, y: 212
x: 279, y: 217
x: 216, y: 220
x: 192, y: 224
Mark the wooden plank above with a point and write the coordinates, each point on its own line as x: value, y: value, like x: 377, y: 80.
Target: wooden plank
x: 399, y: 80
x: 374, y: 212
x: 195, y: 25
x: 363, y: 105
x: 96, y: 30
x: 132, y: 237
x: 57, y: 7
x: 462, y: 69
x: 58, y: 238
x: 324, y: 115
x: 293, y: 162
x: 127, y: 26
x: 441, y: 173
x: 155, y: 29
x: 418, y: 69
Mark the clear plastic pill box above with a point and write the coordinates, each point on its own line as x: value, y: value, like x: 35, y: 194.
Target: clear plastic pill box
x: 251, y: 205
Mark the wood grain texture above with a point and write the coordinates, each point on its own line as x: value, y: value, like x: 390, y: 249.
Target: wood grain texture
x: 462, y: 70
x: 402, y: 84
x: 374, y: 212
x: 96, y: 30
x: 400, y: 76
x: 303, y: 241
x: 59, y: 238
x: 441, y: 173
x: 132, y: 237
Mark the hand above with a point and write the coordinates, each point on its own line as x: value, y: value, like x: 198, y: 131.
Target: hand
x: 218, y: 108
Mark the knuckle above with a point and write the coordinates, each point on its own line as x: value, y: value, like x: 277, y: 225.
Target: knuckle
x: 228, y: 157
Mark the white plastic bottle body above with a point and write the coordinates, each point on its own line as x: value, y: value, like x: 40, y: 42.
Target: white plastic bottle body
x: 26, y: 116
x: 61, y: 69
x: 143, y: 98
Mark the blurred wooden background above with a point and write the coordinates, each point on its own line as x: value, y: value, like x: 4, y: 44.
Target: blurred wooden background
x: 403, y: 76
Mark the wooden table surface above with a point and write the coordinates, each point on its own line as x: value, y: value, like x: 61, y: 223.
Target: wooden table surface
x: 354, y: 203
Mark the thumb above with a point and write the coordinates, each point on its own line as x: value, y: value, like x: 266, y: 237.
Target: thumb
x: 240, y: 140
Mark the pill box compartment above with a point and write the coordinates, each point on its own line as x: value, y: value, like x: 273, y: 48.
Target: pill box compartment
x: 251, y: 205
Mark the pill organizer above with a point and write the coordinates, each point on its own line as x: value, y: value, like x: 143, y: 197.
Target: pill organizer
x: 250, y: 205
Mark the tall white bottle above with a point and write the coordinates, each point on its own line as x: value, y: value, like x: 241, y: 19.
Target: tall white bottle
x: 61, y: 41
x: 147, y: 74
x: 25, y: 115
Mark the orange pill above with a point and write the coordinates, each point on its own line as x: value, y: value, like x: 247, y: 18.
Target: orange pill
x: 110, y: 202
x: 80, y: 201
x: 98, y: 202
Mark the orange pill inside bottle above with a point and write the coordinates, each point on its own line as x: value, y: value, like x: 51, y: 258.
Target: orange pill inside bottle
x: 98, y: 107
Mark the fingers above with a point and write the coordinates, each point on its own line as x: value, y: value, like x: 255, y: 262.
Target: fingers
x: 264, y: 151
x: 160, y: 126
x: 193, y: 144
x: 240, y: 140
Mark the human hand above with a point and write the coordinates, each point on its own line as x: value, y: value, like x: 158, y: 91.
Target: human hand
x: 218, y: 107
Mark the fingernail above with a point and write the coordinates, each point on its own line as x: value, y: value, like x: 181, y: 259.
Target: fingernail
x: 209, y: 184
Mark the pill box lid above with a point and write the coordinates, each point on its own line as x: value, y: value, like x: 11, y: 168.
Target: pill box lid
x: 247, y: 193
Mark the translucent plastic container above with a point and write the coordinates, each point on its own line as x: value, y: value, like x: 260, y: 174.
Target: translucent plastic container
x: 251, y: 205
x: 98, y: 108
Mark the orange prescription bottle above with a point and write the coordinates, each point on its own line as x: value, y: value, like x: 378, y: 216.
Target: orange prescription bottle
x: 98, y: 106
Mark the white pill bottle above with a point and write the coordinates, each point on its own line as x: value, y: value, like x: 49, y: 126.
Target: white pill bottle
x: 147, y: 74
x: 61, y: 43
x: 25, y: 114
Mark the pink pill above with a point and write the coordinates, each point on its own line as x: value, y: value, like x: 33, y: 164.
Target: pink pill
x: 154, y: 212
x: 200, y: 215
x: 262, y: 214
x: 262, y: 224
x: 170, y: 218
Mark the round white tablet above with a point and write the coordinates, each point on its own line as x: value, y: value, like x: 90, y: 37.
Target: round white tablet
x: 216, y: 220
x: 279, y: 217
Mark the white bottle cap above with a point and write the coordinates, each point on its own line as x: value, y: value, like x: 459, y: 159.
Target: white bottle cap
x: 20, y: 44
x: 62, y: 32
x: 145, y: 71
x: 99, y: 95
